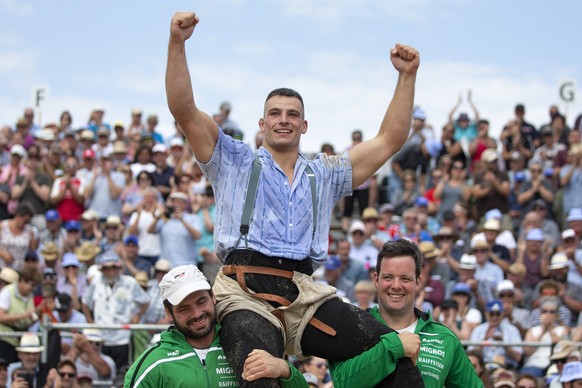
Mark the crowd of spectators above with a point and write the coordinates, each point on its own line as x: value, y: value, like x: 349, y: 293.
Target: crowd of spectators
x: 92, y: 216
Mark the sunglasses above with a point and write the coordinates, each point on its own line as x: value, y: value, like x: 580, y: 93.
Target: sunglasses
x: 506, y: 295
x: 495, y: 314
x: 67, y: 374
x: 445, y: 237
x: 548, y: 311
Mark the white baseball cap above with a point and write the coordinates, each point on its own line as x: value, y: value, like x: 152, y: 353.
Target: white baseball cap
x: 181, y: 282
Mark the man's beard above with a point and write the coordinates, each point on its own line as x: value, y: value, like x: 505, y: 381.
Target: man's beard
x: 189, y: 333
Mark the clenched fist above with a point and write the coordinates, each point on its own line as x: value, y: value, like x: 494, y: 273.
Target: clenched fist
x: 405, y: 59
x: 182, y: 26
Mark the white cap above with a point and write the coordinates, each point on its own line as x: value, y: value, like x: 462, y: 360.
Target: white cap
x: 559, y: 260
x: 159, y: 148
x: 357, y: 225
x: 572, y: 371
x: 181, y: 282
x: 93, y: 335
x: 489, y: 155
x: 505, y: 285
x: 176, y: 141
x: 19, y: 150
x: 568, y: 233
x: 468, y: 262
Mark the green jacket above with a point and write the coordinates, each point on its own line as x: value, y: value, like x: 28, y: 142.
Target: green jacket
x: 173, y: 362
x: 442, y: 360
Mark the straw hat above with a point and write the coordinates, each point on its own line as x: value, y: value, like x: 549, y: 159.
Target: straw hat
x: 87, y: 251
x: 29, y: 343
x: 9, y: 275
x: 50, y: 251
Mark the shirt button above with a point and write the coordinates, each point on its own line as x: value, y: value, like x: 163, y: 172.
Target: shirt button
x: 290, y: 225
x: 290, y: 203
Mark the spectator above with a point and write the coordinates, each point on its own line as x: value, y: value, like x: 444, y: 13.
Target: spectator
x: 136, y: 124
x: 142, y: 161
x: 86, y: 253
x: 162, y: 176
x: 33, y: 187
x: 464, y: 128
x: 113, y: 232
x: 451, y: 189
x: 467, y: 317
x: 29, y: 353
x: 481, y: 142
x: 572, y: 376
x: 548, y: 225
x: 477, y: 362
x: 120, y: 158
x: 352, y: 269
x: 497, y: 329
x: 132, y: 262
x: 103, y: 189
x: 408, y: 194
x: 103, y: 146
x: 141, y: 219
x: 564, y: 352
x: 361, y: 251
x: 534, y: 258
x: 17, y: 237
x: 538, y: 188
x: 365, y: 294
x: 517, y: 316
x: 88, y: 156
x: 571, y: 179
x: 155, y: 313
x: 71, y: 282
x: 136, y: 196
x: 491, y: 185
x: 480, y: 292
x: 87, y: 354
x: 574, y: 255
x: 537, y: 358
x: 450, y: 148
x: 411, y: 228
x: 333, y: 277
x: 178, y: 232
x: 53, y: 232
x: 550, y: 289
x: 64, y: 376
x: 66, y: 194
x: 9, y: 173
x: 434, y: 275
x: 487, y: 272
x: 64, y: 312
x: 546, y: 154
x: 113, y: 299
x: 7, y: 276
x: 377, y: 237
x: 90, y: 230
x: 73, y: 239
x: 574, y: 221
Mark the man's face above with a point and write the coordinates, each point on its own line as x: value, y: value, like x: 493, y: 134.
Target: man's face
x: 343, y: 250
x: 494, y: 318
x: 66, y: 315
x: 560, y: 275
x: 29, y: 360
x: 195, y: 316
x: 410, y: 221
x: 358, y: 237
x: 283, y: 123
x: 131, y: 250
x: 25, y: 287
x: 507, y: 298
x: 397, y: 285
x: 110, y: 272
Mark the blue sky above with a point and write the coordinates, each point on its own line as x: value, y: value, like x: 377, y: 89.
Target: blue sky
x: 334, y: 52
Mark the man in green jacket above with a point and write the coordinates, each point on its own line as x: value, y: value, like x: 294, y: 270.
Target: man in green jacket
x: 189, y: 353
x: 442, y: 361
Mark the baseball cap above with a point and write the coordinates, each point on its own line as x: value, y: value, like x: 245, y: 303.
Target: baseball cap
x: 87, y: 134
x: 63, y: 302
x: 548, y: 172
x: 386, y: 208
x: 568, y: 233
x: 494, y: 305
x: 574, y: 215
x: 493, y: 213
x: 159, y: 148
x: 572, y: 371
x: 108, y: 258
x: 176, y: 142
x: 418, y: 114
x: 179, y: 195
x: 462, y: 288
x: 332, y: 263
x: 519, y: 176
x: 89, y: 154
x: 357, y: 226
x: 505, y: 285
x: 421, y: 202
x: 468, y: 262
x: 52, y: 215
x: 559, y: 260
x: 131, y: 240
x: 181, y: 282
x: 70, y: 259
x: 19, y: 150
x: 535, y: 234
x: 72, y: 225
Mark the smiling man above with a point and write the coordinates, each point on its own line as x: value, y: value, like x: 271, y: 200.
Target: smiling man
x: 189, y: 354
x: 442, y: 360
x: 273, y: 246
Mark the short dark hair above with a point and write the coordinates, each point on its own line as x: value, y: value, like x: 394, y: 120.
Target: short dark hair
x: 31, y: 274
x: 286, y: 92
x: 24, y: 209
x: 397, y: 249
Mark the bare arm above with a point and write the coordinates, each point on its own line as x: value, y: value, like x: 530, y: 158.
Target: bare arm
x: 199, y: 128
x: 369, y: 156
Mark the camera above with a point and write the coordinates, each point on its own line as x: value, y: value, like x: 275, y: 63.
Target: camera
x: 169, y: 211
x: 28, y: 377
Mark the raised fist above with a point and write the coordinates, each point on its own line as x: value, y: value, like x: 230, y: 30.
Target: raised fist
x: 182, y: 26
x: 405, y: 59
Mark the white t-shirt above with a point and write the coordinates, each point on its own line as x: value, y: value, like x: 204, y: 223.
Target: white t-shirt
x: 149, y: 243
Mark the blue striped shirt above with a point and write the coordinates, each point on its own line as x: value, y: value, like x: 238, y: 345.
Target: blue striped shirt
x: 282, y: 220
